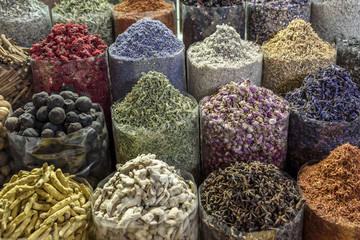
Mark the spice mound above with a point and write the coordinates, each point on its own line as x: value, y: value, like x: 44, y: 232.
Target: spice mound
x: 68, y: 42
x: 250, y: 197
x: 327, y: 95
x: 292, y: 54
x: 43, y: 203
x: 212, y: 3
x: 81, y: 6
x: 332, y: 187
x: 146, y: 38
x: 145, y: 199
x: 243, y: 122
x: 142, y: 5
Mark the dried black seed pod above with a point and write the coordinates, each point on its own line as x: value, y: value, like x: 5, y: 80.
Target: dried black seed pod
x: 85, y: 119
x: 47, y: 133
x: 93, y: 113
x: 18, y: 112
x: 73, y: 127
x: 31, y: 110
x: 71, y: 117
x: 57, y: 115
x: 83, y: 104
x: 30, y: 132
x: 27, y: 120
x: 52, y: 126
x: 29, y: 104
x: 40, y: 99
x: 55, y: 101
x: 69, y: 95
x: 12, y: 124
x: 69, y: 105
x: 42, y: 114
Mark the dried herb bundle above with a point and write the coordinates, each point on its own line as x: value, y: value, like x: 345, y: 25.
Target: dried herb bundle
x: 251, y: 197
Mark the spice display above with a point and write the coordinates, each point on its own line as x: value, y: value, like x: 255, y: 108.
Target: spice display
x: 221, y: 58
x: 268, y: 17
x: 7, y: 164
x: 200, y: 18
x: 25, y: 21
x: 325, y: 114
x: 15, y: 72
x: 292, y: 54
x: 251, y: 201
x: 97, y: 15
x: 243, y: 122
x: 147, y: 45
x: 129, y: 12
x: 330, y: 23
x: 63, y: 129
x: 71, y: 55
x: 332, y: 192
x: 156, y: 118
x: 146, y: 199
x: 348, y: 57
x: 43, y: 204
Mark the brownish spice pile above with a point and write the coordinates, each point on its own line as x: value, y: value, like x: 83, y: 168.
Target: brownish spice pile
x: 332, y: 186
x: 292, y: 54
x: 130, y: 11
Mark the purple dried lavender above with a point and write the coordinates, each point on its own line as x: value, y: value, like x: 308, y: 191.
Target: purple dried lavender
x: 212, y: 3
x: 243, y: 122
x: 328, y: 95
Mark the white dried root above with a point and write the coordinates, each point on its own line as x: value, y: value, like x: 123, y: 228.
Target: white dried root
x: 146, y: 199
x: 44, y: 204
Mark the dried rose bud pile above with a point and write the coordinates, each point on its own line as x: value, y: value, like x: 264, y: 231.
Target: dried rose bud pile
x: 243, y: 122
x: 71, y: 55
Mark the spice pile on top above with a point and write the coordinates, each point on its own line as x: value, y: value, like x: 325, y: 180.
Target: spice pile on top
x: 145, y: 39
x: 68, y: 42
x: 332, y: 186
x: 142, y: 5
x: 81, y: 6
x: 212, y: 3
x: 328, y: 95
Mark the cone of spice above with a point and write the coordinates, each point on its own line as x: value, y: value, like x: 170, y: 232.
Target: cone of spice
x: 130, y: 11
x: 292, y: 54
x: 332, y: 191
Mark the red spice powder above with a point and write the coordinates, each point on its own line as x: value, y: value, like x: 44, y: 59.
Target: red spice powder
x: 332, y: 186
x: 142, y: 5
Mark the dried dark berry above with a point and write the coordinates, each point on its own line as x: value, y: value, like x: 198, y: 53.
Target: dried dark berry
x: 52, y: 126
x: 69, y: 105
x: 12, y: 124
x: 73, y: 127
x: 42, y: 114
x: 47, y: 133
x: 93, y: 113
x: 30, y: 132
x: 71, y: 117
x: 57, y: 115
x: 55, y: 101
x: 69, y: 95
x: 31, y: 110
x: 60, y: 134
x: 27, y: 120
x: 39, y: 125
x: 18, y: 112
x: 85, y: 119
x: 83, y: 104
x: 40, y: 99
x: 29, y: 104
x: 97, y: 107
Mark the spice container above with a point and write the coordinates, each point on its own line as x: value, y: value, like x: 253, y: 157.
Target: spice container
x: 250, y: 201
x: 146, y: 199
x: 25, y: 21
x: 221, y: 58
x: 348, y: 57
x: 65, y: 130
x: 155, y: 117
x: 292, y: 54
x: 147, y: 45
x: 335, y: 18
x: 45, y: 203
x: 200, y: 18
x: 243, y: 122
x: 83, y: 63
x: 268, y: 17
x: 324, y: 115
x: 15, y: 72
x: 331, y: 209
x: 97, y: 15
x: 129, y: 12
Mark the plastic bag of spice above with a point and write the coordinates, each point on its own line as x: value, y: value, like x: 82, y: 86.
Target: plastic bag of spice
x: 199, y: 21
x: 266, y: 18
x: 124, y: 214
x: 129, y: 12
x: 158, y: 49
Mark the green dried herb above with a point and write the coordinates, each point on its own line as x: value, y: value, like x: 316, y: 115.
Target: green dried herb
x: 156, y: 118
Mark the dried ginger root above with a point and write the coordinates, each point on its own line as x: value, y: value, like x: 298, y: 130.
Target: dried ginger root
x: 44, y: 204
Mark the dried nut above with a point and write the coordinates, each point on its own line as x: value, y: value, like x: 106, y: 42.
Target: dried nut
x: 1, y: 97
x: 40, y: 99
x: 4, y: 158
x: 4, y: 103
x: 4, y: 112
x: 5, y: 170
x: 83, y: 104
